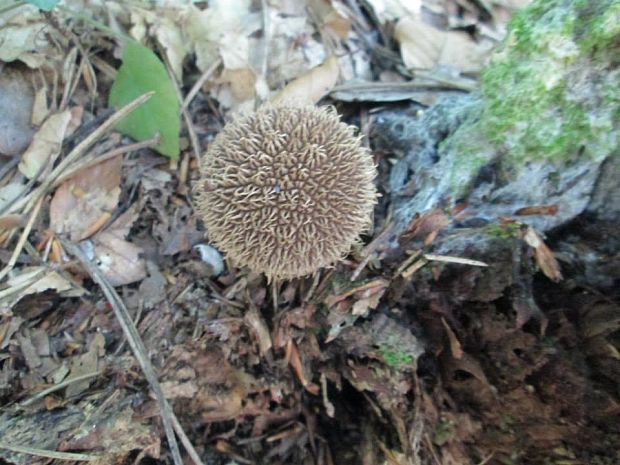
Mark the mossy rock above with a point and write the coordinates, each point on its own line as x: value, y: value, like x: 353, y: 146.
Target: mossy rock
x: 539, y: 132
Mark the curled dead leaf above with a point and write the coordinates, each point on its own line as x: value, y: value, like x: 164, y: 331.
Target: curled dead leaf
x: 312, y: 85
x: 544, y: 256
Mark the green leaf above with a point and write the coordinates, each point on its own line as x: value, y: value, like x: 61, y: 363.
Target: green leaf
x: 45, y: 5
x: 142, y: 72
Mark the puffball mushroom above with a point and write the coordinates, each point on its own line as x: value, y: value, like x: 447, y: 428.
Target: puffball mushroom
x: 286, y: 189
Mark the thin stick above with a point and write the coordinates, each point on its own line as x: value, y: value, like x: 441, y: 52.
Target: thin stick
x: 22, y: 240
x: 274, y: 295
x: 136, y: 344
x: 50, y: 454
x: 56, y: 387
x: 16, y: 288
x: 196, y: 87
x: 28, y: 202
x: 315, y: 283
x: 449, y: 259
x: 185, y: 440
x: 106, y: 156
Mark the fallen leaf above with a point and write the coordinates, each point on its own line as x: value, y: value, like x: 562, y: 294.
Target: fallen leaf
x: 313, y: 85
x: 259, y: 330
x: 222, y: 30
x: 34, y: 280
x: 426, y: 225
x: 16, y: 100
x: 455, y: 344
x: 40, y: 109
x: 330, y: 18
x: 538, y: 210
x: 163, y: 24
x: 8, y: 222
x: 80, y: 201
x: 425, y: 47
x: 84, y: 364
x: 241, y: 84
x: 45, y: 145
x: 22, y: 38
x: 119, y: 261
x: 544, y: 256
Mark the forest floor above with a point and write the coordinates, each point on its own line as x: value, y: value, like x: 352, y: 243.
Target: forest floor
x: 399, y: 354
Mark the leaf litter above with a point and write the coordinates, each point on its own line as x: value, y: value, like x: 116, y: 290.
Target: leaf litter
x: 417, y: 349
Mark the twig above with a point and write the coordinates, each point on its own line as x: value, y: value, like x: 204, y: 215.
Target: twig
x: 50, y: 454
x: 407, y: 262
x: 22, y: 240
x: 28, y: 202
x: 56, y: 387
x: 196, y: 87
x: 106, y: 156
x: 185, y: 440
x: 450, y: 259
x: 315, y: 284
x: 275, y: 285
x: 372, y: 247
x: 32, y: 278
x: 136, y: 344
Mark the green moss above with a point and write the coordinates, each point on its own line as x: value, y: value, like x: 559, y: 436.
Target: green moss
x: 532, y: 110
x: 601, y: 29
x: 444, y: 432
x: 551, y: 94
x: 502, y: 231
x: 396, y: 358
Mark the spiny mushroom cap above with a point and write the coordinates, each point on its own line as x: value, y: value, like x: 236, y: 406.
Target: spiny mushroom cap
x: 286, y: 189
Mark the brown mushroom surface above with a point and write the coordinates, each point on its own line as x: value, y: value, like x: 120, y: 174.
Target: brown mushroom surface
x: 286, y: 189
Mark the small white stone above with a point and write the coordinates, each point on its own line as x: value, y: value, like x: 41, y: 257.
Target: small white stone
x: 211, y: 256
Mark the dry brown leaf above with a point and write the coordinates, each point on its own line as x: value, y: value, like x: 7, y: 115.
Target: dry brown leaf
x: 259, y: 329
x: 455, y: 344
x: 241, y: 84
x: 222, y: 30
x: 162, y: 23
x: 331, y: 19
x: 46, y: 144
x: 119, y: 261
x: 313, y: 85
x: 40, y: 109
x: 22, y: 38
x: 81, y: 200
x: 544, y: 256
x: 425, y: 47
x: 84, y: 364
x: 426, y: 226
x: 34, y: 280
x: 538, y: 210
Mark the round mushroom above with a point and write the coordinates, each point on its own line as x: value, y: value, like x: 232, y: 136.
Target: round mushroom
x: 286, y: 190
